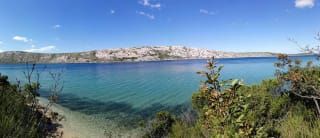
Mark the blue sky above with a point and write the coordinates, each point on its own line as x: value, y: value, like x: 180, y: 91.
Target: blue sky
x: 228, y: 25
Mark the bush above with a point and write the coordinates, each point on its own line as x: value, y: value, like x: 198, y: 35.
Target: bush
x: 279, y: 107
x: 17, y: 119
x: 20, y: 113
x: 160, y: 126
x: 181, y: 129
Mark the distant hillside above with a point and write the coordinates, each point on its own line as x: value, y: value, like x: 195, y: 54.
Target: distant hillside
x: 124, y: 55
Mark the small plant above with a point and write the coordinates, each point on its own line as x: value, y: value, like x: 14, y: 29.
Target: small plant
x: 160, y: 126
x: 223, y: 109
x: 57, y: 86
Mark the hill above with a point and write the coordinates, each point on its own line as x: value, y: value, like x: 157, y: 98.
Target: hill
x: 125, y: 55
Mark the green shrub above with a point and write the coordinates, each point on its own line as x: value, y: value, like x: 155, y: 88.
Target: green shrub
x: 182, y: 130
x: 273, y: 108
x: 160, y: 126
x: 17, y: 119
x: 227, y: 108
x: 21, y: 116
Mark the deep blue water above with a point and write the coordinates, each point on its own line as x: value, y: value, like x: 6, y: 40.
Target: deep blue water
x: 137, y: 90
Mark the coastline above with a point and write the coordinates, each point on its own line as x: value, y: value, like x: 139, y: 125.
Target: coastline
x: 133, y: 54
x: 161, y: 60
x: 80, y: 125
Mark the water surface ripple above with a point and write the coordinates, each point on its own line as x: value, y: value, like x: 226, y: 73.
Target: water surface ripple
x: 133, y: 91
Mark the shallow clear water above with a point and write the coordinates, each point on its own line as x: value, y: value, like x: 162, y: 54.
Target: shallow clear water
x: 129, y: 92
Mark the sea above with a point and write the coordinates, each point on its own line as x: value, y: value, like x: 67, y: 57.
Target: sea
x: 111, y: 99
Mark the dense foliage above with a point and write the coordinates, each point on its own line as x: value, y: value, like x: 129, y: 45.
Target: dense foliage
x: 21, y: 116
x: 227, y: 108
x: 17, y: 118
x: 286, y: 106
x: 160, y: 126
x: 302, y: 82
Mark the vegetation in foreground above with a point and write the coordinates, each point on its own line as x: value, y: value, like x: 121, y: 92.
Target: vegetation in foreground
x: 21, y: 116
x: 286, y: 106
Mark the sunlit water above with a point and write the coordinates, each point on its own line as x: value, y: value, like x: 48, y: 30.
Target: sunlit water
x: 100, y: 98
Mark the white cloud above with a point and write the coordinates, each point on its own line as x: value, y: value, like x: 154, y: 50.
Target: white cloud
x: 57, y: 26
x: 21, y: 38
x: 147, y: 3
x: 304, y: 3
x: 46, y: 49
x: 150, y: 16
x: 204, y: 11
x: 112, y: 11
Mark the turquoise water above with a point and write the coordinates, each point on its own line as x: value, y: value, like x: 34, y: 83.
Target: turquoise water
x: 135, y: 91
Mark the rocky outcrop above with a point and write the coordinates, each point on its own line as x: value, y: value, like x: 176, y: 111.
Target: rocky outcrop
x: 125, y: 55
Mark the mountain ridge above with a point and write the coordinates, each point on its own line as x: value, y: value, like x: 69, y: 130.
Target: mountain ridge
x: 134, y: 54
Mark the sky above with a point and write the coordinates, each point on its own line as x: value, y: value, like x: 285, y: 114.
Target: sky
x: 55, y: 26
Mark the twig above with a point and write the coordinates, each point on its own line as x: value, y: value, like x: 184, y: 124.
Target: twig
x: 314, y: 98
x: 316, y: 102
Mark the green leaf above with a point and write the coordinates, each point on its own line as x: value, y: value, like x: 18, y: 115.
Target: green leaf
x: 239, y: 119
x: 245, y: 106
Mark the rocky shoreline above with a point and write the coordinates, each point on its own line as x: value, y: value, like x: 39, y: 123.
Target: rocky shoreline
x: 52, y: 120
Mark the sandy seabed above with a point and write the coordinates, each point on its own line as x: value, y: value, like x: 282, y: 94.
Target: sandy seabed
x: 80, y: 125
